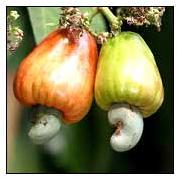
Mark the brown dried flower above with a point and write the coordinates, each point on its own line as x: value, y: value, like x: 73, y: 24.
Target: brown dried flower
x: 14, y: 33
x: 142, y: 15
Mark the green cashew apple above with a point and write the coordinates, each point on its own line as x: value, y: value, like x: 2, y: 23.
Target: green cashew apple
x: 128, y: 84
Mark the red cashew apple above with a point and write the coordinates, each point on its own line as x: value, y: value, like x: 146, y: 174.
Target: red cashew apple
x: 59, y: 73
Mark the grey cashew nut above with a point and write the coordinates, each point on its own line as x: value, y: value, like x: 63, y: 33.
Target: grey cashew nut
x: 44, y: 129
x: 129, y: 123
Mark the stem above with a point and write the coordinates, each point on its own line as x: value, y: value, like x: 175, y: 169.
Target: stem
x: 46, y: 124
x: 115, y: 22
x: 129, y: 126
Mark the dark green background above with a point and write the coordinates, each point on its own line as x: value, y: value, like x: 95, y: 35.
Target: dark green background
x: 85, y: 146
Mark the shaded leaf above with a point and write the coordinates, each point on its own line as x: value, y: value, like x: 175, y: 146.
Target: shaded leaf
x: 43, y: 20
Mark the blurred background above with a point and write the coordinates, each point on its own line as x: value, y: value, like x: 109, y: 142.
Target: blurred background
x: 84, y: 147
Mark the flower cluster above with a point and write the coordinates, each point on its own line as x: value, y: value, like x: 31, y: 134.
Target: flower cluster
x: 14, y: 33
x: 73, y: 17
x: 142, y: 15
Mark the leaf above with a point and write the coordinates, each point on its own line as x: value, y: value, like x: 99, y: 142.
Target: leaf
x: 98, y: 24
x: 43, y: 20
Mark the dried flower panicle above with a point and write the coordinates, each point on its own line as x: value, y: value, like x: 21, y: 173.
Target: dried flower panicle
x: 13, y: 15
x: 72, y: 17
x: 102, y: 37
x: 14, y: 33
x: 142, y: 15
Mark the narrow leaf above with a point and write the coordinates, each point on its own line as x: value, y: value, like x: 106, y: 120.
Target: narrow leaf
x: 43, y: 20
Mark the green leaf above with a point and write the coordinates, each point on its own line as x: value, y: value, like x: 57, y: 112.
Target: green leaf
x: 43, y: 20
x: 98, y: 24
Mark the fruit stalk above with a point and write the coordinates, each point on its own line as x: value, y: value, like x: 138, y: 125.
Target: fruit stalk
x: 115, y: 22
